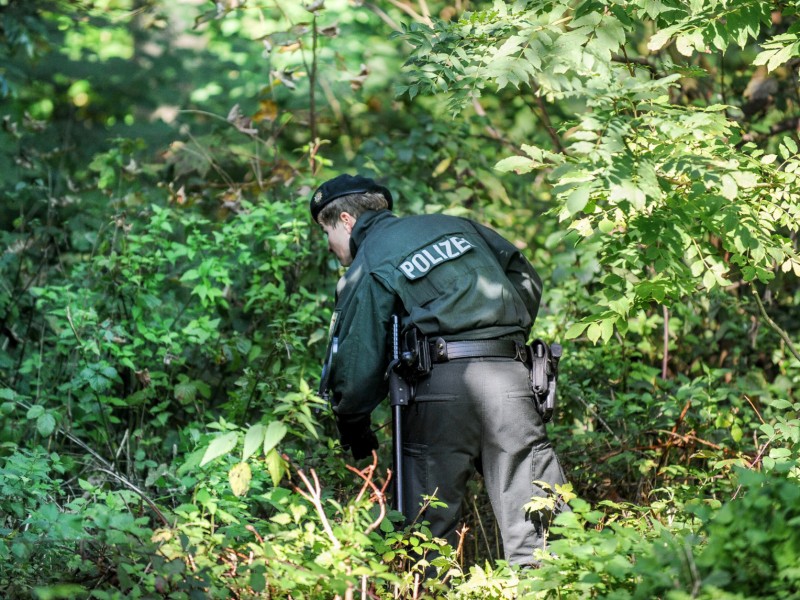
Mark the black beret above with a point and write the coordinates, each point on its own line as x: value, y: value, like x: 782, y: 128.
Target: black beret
x: 343, y: 185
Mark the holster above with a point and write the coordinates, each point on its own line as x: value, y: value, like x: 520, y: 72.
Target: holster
x: 544, y: 376
x: 415, y: 355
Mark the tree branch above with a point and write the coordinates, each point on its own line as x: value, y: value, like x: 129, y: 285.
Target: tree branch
x: 784, y: 336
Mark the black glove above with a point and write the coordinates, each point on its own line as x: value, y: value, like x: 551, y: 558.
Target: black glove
x: 357, y: 436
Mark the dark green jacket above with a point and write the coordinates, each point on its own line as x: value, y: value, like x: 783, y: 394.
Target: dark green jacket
x: 449, y: 276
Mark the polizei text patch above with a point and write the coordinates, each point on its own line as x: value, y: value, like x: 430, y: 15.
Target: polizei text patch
x: 422, y: 261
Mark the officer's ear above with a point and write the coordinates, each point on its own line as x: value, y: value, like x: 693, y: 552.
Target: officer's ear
x: 348, y: 220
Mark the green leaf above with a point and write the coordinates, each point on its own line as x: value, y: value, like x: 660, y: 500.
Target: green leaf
x: 35, y: 411
x: 219, y: 446
x: 45, y: 424
x: 594, y: 332
x: 253, y: 440
x: 729, y: 189
x: 518, y: 164
x: 660, y: 38
x: 577, y: 199
x: 239, y: 477
x: 275, y: 466
x: 185, y: 392
x: 709, y: 280
x: 606, y: 226
x: 607, y: 329
x: 274, y: 434
x: 575, y: 330
x: 190, y: 275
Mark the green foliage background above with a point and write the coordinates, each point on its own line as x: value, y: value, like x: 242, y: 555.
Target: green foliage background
x: 164, y: 299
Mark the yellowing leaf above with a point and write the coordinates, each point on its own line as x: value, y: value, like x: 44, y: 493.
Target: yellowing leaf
x: 267, y: 111
x: 161, y: 535
x: 442, y: 166
x: 239, y: 477
x: 566, y: 492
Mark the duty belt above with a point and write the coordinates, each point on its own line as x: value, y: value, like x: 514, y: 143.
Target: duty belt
x: 443, y: 351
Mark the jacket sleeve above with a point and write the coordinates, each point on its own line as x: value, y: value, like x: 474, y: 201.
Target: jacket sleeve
x: 358, y: 367
x: 519, y: 271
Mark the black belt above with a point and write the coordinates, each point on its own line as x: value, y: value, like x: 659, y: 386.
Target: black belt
x: 442, y: 351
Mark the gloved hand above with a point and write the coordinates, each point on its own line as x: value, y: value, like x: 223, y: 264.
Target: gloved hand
x: 357, y: 436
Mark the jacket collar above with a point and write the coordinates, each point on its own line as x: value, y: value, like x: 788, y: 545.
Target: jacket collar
x: 363, y: 226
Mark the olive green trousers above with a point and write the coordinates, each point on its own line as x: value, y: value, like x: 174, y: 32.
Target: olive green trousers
x: 479, y: 414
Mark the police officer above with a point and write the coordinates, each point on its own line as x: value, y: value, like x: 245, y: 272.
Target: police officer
x: 475, y: 297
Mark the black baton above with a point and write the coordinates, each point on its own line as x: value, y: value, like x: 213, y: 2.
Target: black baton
x: 399, y: 396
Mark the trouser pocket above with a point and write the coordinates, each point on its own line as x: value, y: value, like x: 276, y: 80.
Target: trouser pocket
x: 416, y: 477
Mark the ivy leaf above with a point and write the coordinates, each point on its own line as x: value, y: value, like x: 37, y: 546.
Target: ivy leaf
x: 253, y: 439
x: 219, y: 446
x: 274, y: 434
x: 239, y: 477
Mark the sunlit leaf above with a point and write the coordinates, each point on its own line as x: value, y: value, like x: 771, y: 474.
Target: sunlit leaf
x: 253, y: 440
x: 275, y: 466
x: 219, y: 446
x: 275, y: 432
